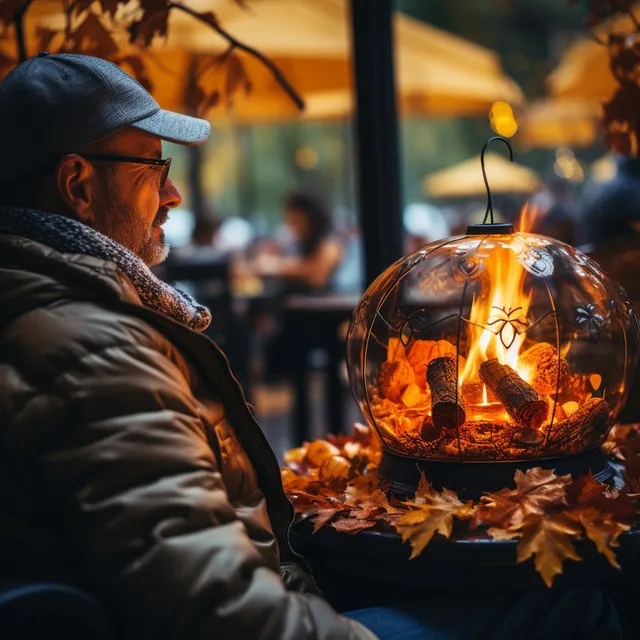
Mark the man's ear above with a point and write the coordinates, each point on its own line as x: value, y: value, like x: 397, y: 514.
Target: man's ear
x: 75, y: 183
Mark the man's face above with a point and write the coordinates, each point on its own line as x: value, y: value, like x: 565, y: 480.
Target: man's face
x: 131, y: 206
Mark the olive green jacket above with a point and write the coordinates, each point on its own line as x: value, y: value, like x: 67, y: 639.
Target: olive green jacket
x: 120, y: 471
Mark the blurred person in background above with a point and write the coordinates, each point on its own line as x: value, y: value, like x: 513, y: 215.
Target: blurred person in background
x: 202, y: 243
x: 611, y: 226
x: 611, y: 230
x: 556, y: 218
x: 312, y: 251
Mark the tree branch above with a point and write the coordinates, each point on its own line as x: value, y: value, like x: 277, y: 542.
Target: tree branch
x: 633, y: 17
x: 18, y: 17
x: 236, y: 44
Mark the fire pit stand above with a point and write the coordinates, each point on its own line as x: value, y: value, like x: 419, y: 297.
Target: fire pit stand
x: 470, y: 480
x: 494, y: 351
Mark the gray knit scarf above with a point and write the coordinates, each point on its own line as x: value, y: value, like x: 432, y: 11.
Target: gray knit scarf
x: 69, y: 236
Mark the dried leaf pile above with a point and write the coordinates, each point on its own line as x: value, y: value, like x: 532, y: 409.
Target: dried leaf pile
x: 335, y: 483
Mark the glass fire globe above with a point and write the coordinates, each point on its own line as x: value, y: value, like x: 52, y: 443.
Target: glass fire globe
x: 493, y: 347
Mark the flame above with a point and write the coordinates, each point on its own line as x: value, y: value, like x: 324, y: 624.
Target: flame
x: 497, y: 319
x: 530, y: 214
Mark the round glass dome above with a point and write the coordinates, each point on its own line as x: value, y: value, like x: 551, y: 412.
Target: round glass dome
x: 493, y: 348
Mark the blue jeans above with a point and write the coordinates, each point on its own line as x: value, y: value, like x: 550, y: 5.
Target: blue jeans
x: 541, y: 615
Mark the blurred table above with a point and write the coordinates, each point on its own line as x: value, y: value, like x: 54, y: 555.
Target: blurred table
x: 314, y: 322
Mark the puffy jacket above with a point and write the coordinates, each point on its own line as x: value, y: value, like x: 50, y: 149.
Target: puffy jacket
x: 120, y: 471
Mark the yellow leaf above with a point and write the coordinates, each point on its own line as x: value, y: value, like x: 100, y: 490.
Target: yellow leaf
x: 423, y: 490
x: 421, y: 525
x: 431, y: 513
x: 504, y: 534
x: 603, y: 532
x: 320, y: 450
x: 295, y: 456
x: 291, y: 481
x: 360, y: 489
x: 334, y: 468
x: 550, y: 540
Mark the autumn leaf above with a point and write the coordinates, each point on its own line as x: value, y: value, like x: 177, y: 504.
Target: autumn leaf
x: 586, y: 491
x: 45, y: 36
x: 603, y: 532
x: 360, y: 489
x: 137, y: 68
x: 498, y: 533
x: 537, y: 490
x: 320, y: 450
x: 236, y: 76
x: 352, y: 526
x: 374, y: 506
x: 111, y: 6
x: 153, y: 22
x: 291, y: 481
x: 79, y: 6
x: 335, y: 469
x: 209, y: 101
x: 322, y: 517
x: 550, y: 540
x: 434, y: 514
x: 91, y: 37
x: 423, y: 491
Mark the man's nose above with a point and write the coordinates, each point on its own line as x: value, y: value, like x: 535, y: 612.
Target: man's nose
x: 170, y: 196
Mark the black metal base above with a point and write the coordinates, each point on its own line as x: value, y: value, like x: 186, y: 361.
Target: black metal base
x: 471, y: 479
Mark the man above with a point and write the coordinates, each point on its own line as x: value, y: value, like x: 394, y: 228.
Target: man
x: 131, y: 465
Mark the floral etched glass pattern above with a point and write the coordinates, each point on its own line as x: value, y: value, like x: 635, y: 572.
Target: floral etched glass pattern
x: 493, y: 348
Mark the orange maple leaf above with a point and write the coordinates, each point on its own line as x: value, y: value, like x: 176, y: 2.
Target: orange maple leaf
x: 602, y: 531
x: 537, y: 491
x: 431, y: 512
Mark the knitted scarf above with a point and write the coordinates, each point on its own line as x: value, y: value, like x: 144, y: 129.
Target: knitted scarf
x: 70, y: 236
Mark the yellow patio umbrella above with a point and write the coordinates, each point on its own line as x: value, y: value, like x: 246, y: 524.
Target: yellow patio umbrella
x: 437, y: 73
x: 584, y: 70
x: 465, y: 179
x: 555, y: 122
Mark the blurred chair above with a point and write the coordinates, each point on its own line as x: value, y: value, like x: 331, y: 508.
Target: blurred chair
x: 32, y: 611
x: 314, y: 323
x: 207, y: 277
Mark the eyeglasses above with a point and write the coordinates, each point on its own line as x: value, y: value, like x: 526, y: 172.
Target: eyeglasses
x: 165, y: 163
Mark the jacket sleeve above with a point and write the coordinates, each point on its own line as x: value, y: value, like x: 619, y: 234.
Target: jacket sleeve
x: 139, y: 495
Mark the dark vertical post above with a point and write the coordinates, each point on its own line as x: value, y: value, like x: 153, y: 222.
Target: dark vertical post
x: 376, y: 128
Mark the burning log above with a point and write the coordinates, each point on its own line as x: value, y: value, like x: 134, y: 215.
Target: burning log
x: 522, y: 402
x: 588, y: 423
x: 549, y: 372
x: 447, y: 405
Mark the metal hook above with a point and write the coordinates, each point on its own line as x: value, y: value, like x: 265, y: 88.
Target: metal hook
x: 484, y: 174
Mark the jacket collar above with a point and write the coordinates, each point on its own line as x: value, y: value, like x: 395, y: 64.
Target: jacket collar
x: 71, y: 237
